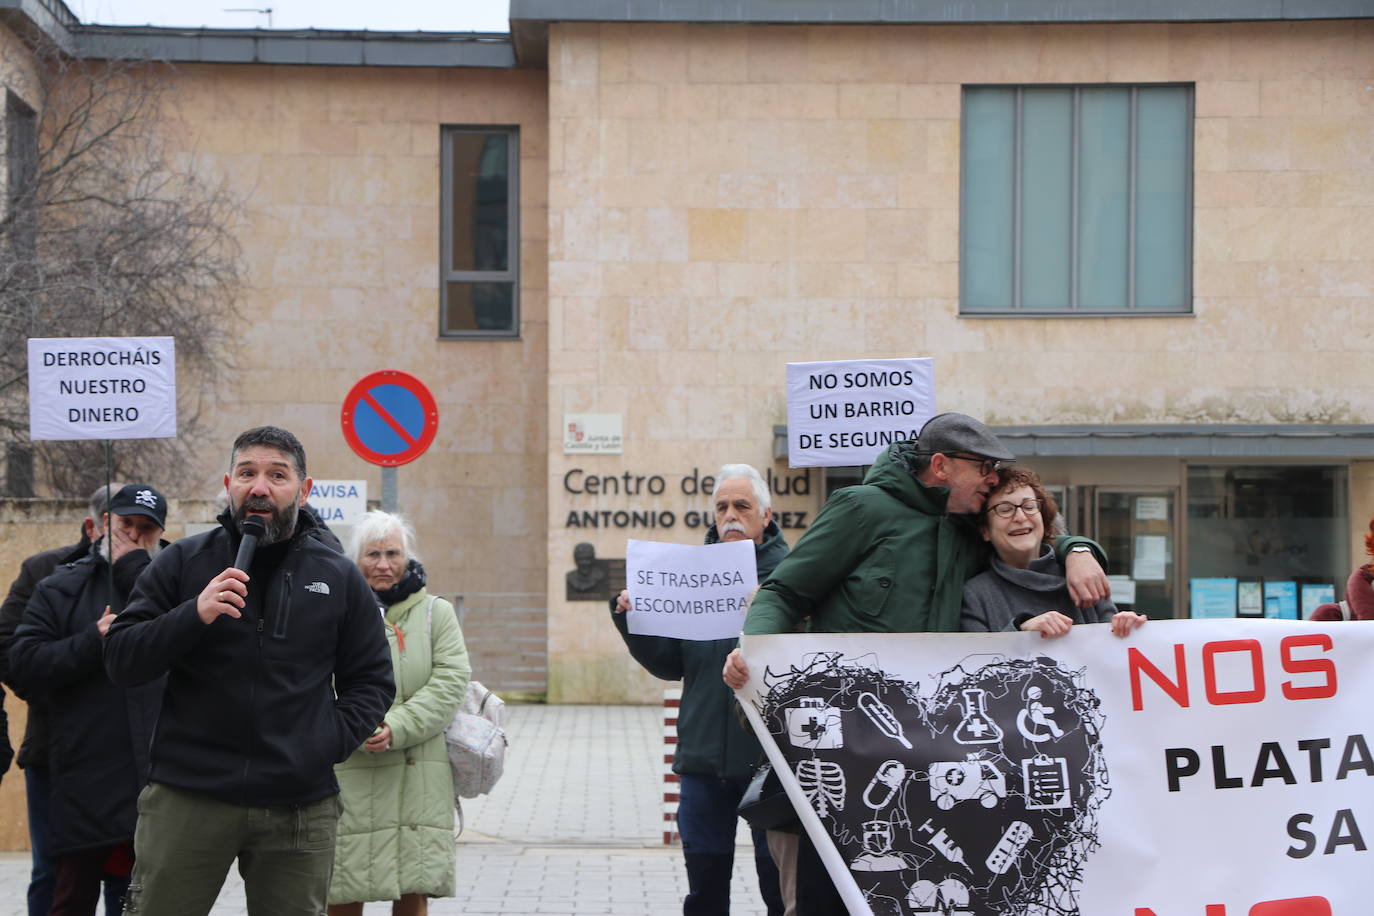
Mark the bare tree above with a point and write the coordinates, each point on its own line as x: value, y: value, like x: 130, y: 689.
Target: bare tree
x: 105, y: 233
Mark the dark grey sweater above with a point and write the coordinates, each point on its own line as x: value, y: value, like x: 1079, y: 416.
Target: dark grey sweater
x: 1004, y: 597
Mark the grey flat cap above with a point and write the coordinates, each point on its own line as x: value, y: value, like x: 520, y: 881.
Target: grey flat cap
x: 957, y: 432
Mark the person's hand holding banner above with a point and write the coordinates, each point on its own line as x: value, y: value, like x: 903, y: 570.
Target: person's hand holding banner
x: 689, y: 592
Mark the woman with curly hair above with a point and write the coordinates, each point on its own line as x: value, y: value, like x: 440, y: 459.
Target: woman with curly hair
x: 1024, y: 588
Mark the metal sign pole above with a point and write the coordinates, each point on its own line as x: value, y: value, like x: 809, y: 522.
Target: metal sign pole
x: 390, y: 498
x: 109, y: 535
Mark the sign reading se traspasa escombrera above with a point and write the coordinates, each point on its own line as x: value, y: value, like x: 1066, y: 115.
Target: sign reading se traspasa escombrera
x: 844, y: 413
x: 102, y: 388
x: 689, y: 592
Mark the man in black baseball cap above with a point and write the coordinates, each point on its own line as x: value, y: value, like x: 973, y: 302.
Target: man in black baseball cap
x: 99, y: 734
x: 139, y: 499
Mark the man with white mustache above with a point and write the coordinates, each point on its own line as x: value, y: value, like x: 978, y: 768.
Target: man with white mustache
x: 715, y: 755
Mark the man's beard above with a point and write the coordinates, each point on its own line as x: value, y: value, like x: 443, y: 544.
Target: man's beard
x: 280, y: 524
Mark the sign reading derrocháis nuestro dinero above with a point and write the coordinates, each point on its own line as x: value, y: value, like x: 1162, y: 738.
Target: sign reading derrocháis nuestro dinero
x: 102, y: 388
x: 1195, y: 768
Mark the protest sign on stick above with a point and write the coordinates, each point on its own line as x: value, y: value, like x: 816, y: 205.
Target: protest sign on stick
x: 102, y: 388
x: 1198, y: 766
x: 689, y: 592
x: 844, y: 413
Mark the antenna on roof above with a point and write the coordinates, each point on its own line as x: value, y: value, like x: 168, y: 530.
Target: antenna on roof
x: 267, y: 11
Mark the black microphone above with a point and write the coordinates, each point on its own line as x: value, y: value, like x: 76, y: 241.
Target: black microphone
x: 253, y: 528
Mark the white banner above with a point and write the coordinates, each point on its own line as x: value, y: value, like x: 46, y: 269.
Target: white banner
x: 844, y: 413
x: 1195, y: 768
x: 689, y: 592
x: 102, y: 388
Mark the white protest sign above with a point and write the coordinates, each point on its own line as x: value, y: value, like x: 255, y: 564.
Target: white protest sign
x: 102, y: 388
x: 1195, y: 766
x: 689, y: 592
x: 339, y: 502
x: 844, y: 413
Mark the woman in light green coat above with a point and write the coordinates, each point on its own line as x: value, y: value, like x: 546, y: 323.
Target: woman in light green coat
x: 396, y: 834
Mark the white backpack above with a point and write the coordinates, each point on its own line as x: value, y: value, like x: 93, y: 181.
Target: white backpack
x: 476, y: 742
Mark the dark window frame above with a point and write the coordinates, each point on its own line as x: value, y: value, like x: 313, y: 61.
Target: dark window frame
x: 21, y: 163
x: 447, y: 274
x: 1074, y: 309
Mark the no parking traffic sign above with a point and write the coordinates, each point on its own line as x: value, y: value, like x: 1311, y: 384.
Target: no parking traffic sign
x: 389, y: 418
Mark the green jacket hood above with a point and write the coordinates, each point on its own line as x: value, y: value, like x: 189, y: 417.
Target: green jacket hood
x: 893, y: 472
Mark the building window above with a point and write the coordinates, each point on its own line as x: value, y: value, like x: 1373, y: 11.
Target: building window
x: 479, y: 283
x: 1076, y: 199
x: 21, y: 161
x: 1278, y: 535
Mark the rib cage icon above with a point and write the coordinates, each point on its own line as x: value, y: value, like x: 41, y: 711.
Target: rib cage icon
x: 823, y: 783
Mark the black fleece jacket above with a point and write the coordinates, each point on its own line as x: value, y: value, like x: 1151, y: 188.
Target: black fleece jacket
x: 99, y: 733
x: 258, y: 708
x: 34, y: 750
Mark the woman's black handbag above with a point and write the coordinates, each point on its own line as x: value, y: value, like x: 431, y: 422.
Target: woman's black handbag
x: 765, y: 806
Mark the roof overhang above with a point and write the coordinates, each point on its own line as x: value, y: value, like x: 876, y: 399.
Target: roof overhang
x: 529, y: 19
x: 316, y: 47
x: 1293, y: 441
x: 37, y: 21
x: 1191, y: 441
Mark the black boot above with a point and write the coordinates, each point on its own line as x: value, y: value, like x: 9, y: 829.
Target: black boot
x: 768, y: 885
x: 708, y: 885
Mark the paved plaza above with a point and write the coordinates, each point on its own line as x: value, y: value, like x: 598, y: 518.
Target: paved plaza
x: 574, y: 827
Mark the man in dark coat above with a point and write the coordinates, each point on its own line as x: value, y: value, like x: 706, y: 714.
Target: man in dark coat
x: 274, y: 674
x: 98, y: 733
x: 715, y: 755
x: 33, y: 750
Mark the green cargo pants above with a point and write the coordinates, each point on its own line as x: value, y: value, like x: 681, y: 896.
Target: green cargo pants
x: 185, y: 842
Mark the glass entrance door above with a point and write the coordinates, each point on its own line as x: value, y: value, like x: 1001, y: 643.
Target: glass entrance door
x: 1138, y: 529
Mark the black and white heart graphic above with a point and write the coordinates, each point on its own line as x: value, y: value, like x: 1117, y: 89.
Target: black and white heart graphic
x: 978, y: 797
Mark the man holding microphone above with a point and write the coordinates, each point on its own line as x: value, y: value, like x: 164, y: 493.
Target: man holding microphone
x: 275, y: 672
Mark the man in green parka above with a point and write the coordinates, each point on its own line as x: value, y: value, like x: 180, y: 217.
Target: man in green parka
x: 892, y: 556
x: 715, y: 755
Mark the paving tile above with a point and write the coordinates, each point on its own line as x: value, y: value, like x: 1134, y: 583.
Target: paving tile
x: 574, y: 827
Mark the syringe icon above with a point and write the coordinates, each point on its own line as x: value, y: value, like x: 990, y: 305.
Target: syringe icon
x: 940, y: 840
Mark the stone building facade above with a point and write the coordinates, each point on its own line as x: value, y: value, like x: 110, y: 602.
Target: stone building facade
x: 690, y: 205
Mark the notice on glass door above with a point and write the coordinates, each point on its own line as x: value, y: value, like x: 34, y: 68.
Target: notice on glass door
x: 1151, y: 558
x: 1152, y: 508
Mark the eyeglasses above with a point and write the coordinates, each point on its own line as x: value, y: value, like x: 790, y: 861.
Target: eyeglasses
x: 986, y: 466
x: 1008, y: 509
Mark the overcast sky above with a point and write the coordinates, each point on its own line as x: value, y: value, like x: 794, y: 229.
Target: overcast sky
x: 379, y: 15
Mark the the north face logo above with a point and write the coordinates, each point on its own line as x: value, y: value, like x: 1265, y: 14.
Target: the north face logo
x: 319, y: 588
x: 146, y: 498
